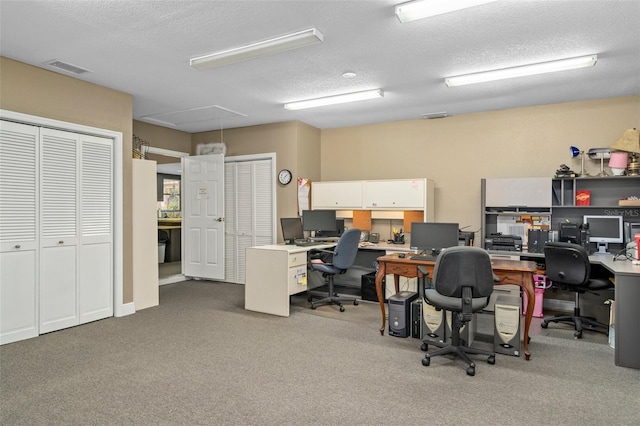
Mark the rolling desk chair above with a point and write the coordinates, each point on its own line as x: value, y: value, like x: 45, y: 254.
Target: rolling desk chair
x: 462, y: 283
x: 343, y: 256
x: 568, y: 267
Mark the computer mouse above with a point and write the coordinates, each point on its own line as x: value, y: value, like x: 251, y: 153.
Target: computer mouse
x: 401, y: 255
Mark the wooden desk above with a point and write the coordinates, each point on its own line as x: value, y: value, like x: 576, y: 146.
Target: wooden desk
x: 518, y: 272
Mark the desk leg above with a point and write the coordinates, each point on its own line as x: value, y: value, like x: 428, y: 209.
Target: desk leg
x: 379, y: 277
x: 527, y: 286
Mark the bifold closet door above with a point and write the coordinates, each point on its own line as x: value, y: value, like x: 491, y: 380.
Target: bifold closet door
x: 95, y: 268
x: 18, y: 231
x: 249, y: 212
x: 58, y: 230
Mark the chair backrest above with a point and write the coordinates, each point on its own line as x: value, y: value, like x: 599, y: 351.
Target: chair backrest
x: 567, y: 263
x: 346, y: 250
x: 463, y: 266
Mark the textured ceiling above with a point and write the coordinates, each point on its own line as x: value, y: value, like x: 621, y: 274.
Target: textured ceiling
x: 143, y: 48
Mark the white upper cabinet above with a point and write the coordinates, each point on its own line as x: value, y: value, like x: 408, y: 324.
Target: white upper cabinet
x: 518, y: 192
x: 398, y: 194
x: 336, y: 195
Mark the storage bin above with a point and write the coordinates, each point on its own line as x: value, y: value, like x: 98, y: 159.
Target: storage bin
x: 161, y: 250
x: 540, y: 283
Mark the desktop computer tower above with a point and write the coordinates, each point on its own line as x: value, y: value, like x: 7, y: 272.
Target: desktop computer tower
x: 400, y: 313
x: 506, y: 336
x: 537, y: 238
x: 368, y: 287
x: 467, y: 333
x: 433, y: 323
x: 416, y: 319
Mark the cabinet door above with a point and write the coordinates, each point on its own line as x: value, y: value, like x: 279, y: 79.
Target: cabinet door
x: 18, y: 231
x: 518, y: 192
x: 407, y: 194
x: 336, y: 195
x: 58, y: 230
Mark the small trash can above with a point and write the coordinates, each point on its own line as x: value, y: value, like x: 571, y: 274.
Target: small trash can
x: 163, y: 240
x: 161, y: 252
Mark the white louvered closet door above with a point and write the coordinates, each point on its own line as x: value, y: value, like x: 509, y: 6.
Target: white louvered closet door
x: 95, y: 289
x: 18, y: 231
x: 59, y: 230
x: 249, y: 212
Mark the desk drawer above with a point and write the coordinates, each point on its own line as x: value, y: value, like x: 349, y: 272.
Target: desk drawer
x: 409, y: 271
x: 297, y: 259
x: 510, y: 277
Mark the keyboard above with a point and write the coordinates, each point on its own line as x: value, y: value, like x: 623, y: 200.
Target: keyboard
x: 423, y: 257
x: 307, y: 243
x: 325, y: 239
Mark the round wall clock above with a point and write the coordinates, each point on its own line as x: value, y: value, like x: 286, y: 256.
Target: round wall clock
x: 284, y: 177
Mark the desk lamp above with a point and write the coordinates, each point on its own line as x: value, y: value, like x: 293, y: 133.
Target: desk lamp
x: 574, y: 153
x: 630, y: 142
x: 618, y: 162
x: 600, y: 154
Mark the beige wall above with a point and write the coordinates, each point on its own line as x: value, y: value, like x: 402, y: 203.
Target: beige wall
x: 456, y: 152
x: 162, y: 137
x: 35, y: 91
x: 296, y: 145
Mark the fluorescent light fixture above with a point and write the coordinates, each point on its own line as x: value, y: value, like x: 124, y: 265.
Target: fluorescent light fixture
x: 337, y: 99
x: 525, y: 70
x: 258, y: 49
x: 407, y: 12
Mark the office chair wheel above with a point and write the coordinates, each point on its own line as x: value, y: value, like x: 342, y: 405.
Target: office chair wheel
x: 424, y: 347
x: 426, y: 361
x: 544, y: 324
x: 341, y: 308
x: 471, y: 370
x: 355, y: 303
x: 313, y: 306
x: 578, y: 334
x: 310, y: 298
x: 491, y: 360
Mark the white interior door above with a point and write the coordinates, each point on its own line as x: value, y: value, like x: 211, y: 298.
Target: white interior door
x: 203, y: 216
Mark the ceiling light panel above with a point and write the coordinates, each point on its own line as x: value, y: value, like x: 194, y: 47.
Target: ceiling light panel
x: 337, y: 99
x: 413, y: 10
x: 255, y: 50
x: 522, y: 71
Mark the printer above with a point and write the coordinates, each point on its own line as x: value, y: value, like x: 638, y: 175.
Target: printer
x: 503, y: 242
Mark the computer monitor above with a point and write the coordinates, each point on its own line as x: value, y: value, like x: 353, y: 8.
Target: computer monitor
x: 319, y: 220
x: 328, y: 233
x: 433, y: 236
x: 604, y: 230
x: 291, y: 229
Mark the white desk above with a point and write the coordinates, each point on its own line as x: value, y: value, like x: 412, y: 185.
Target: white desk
x: 274, y: 273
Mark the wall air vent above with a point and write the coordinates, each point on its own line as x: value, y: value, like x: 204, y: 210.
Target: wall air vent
x: 66, y: 67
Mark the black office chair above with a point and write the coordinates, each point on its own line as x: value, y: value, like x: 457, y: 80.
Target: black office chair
x: 342, y: 257
x: 567, y: 266
x: 462, y: 283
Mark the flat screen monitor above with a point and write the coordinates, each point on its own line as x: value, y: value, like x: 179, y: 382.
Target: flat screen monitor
x: 319, y: 220
x: 291, y: 229
x: 328, y: 233
x: 432, y: 237
x: 604, y: 230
